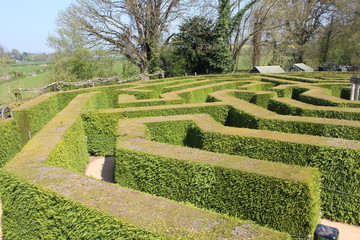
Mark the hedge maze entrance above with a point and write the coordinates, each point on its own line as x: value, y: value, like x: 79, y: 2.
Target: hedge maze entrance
x: 203, y: 157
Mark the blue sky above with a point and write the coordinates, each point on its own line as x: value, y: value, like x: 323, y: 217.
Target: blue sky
x: 25, y: 25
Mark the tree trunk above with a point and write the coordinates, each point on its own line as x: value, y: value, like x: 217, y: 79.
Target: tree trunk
x: 256, y: 45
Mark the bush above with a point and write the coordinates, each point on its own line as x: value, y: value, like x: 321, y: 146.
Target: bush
x: 32, y: 212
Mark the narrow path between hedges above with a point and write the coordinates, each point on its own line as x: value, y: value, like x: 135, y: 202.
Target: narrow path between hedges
x: 102, y: 168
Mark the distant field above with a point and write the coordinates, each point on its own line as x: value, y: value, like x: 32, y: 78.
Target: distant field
x: 22, y: 68
x: 6, y: 88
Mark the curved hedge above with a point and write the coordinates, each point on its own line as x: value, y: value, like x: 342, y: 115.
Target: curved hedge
x: 214, y: 181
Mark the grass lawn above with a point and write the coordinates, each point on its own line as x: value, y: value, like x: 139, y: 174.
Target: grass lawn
x: 38, y: 81
x: 21, y: 68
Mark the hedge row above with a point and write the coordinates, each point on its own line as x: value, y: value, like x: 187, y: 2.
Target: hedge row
x: 182, y: 95
x: 35, y: 114
x: 298, y: 79
x: 200, y: 94
x: 339, y: 166
x: 71, y: 150
x: 315, y: 100
x: 244, y: 114
x: 240, y: 118
x: 259, y: 98
x: 160, y: 86
x: 260, y: 193
x: 9, y: 140
x: 286, y: 108
x: 31, y: 212
x: 100, y: 127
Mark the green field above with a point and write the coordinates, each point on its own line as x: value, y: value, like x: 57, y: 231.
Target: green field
x: 25, y: 69
x: 6, y: 88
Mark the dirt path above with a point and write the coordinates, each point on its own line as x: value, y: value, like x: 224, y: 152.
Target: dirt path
x: 346, y: 231
x: 101, y: 168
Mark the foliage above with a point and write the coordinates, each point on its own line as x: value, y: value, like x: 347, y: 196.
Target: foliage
x: 194, y: 45
x: 83, y: 64
x: 9, y: 140
x: 32, y: 212
x: 71, y: 151
x: 222, y: 59
x: 231, y: 190
x: 139, y: 40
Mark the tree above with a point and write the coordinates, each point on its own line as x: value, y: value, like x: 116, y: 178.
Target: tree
x: 234, y: 19
x: 194, y: 46
x: 16, y: 54
x: 341, y: 36
x: 222, y: 59
x: 132, y: 27
x: 302, y: 19
x: 4, y: 57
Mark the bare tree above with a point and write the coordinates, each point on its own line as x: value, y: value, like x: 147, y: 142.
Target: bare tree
x: 131, y: 27
x: 303, y: 18
x: 249, y: 18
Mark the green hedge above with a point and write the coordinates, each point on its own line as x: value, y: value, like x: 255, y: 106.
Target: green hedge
x: 31, y: 212
x: 71, y: 151
x: 238, y: 118
x: 288, y: 109
x: 160, y: 86
x: 100, y: 127
x: 9, y: 140
x: 260, y: 99
x: 339, y: 167
x: 190, y: 85
x: 34, y: 115
x: 298, y: 79
x: 269, y: 201
x: 200, y: 95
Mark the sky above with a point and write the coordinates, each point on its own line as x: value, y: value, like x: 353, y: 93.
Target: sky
x: 26, y: 24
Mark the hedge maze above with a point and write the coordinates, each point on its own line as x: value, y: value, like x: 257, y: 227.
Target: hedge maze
x: 205, y: 157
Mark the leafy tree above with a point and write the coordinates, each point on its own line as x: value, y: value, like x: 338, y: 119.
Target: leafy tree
x: 16, y: 54
x: 194, y: 46
x: 82, y: 64
x: 4, y: 57
x: 222, y: 58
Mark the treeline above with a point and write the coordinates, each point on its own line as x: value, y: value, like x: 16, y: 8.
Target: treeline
x: 186, y: 36
x: 8, y: 58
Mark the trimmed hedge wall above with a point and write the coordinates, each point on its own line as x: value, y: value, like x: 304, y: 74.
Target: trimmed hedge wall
x: 100, y: 127
x: 35, y: 114
x: 269, y: 201
x: 9, y: 140
x: 339, y: 167
x: 200, y: 95
x: 288, y: 109
x: 261, y: 98
x: 31, y: 212
x: 298, y: 79
x: 238, y: 118
x: 71, y: 151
